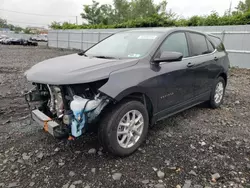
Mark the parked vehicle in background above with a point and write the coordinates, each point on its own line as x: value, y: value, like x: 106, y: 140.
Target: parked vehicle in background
x: 2, y: 39
x: 17, y: 41
x: 7, y: 41
x: 127, y: 82
x: 14, y: 41
x: 39, y: 38
x: 33, y: 38
x: 29, y: 43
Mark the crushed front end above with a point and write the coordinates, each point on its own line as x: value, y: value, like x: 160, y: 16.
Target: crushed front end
x: 66, y: 111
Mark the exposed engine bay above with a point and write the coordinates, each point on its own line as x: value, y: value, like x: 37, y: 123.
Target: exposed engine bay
x: 67, y: 111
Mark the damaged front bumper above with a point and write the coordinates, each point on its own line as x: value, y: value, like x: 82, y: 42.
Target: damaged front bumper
x: 52, y: 127
x: 45, y: 122
x: 62, y: 113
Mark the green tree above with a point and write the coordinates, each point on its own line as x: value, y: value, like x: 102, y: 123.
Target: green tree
x: 146, y: 13
x: 121, y: 10
x: 16, y: 29
x: 212, y: 19
x: 27, y: 31
x: 107, y: 15
x: 195, y: 21
x: 55, y: 25
x: 147, y: 8
x: 97, y: 14
x: 3, y: 23
x: 243, y: 6
x: 92, y: 13
x: 11, y: 27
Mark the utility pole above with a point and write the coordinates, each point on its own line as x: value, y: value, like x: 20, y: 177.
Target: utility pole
x: 76, y: 21
x: 230, y: 8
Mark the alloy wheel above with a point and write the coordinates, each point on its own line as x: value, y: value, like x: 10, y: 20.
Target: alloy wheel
x: 219, y: 92
x: 130, y: 129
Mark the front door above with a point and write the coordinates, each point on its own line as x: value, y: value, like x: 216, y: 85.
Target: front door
x: 176, y: 79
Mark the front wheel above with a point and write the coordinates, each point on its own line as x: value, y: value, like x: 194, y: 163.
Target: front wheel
x: 123, y: 129
x: 217, y: 94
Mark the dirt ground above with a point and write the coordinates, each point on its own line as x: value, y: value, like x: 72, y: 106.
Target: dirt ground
x: 187, y: 150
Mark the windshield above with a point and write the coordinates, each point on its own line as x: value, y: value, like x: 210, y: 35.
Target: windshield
x: 125, y: 45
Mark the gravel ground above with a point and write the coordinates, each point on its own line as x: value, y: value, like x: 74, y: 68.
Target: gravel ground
x: 196, y: 148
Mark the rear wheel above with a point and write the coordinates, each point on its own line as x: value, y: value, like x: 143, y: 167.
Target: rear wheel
x: 123, y: 129
x: 218, y: 91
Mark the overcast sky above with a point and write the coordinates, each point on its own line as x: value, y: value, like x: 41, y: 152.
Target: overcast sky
x: 67, y: 10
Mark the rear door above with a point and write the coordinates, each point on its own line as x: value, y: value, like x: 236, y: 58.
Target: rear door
x: 176, y: 80
x: 204, y: 63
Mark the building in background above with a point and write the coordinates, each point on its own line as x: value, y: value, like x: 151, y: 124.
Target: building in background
x: 3, y: 30
x: 37, y: 30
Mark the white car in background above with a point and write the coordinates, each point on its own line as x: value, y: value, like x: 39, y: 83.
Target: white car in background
x: 7, y: 41
x: 3, y: 39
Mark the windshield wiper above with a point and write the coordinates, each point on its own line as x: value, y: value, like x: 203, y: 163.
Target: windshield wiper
x: 104, y: 57
x: 82, y: 53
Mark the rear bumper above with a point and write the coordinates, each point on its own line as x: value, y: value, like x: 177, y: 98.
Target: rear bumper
x: 44, y: 121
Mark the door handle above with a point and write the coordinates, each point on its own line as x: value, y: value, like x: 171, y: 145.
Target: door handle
x: 190, y: 64
x: 216, y: 58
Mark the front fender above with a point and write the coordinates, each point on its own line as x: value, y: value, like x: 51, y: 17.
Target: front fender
x: 136, y: 79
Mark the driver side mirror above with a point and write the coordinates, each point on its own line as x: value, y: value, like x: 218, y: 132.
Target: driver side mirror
x: 168, y: 57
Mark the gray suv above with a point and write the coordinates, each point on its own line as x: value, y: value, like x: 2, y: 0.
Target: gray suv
x: 127, y: 82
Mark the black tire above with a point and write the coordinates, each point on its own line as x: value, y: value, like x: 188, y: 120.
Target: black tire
x: 213, y: 104
x: 107, y: 131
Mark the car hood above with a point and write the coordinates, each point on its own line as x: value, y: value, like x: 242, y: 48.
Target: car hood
x: 75, y: 69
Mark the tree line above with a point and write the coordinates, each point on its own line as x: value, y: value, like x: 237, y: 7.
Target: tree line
x: 4, y: 24
x: 146, y: 13
x: 11, y: 27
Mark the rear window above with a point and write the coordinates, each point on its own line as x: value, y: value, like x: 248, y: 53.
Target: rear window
x: 199, y: 44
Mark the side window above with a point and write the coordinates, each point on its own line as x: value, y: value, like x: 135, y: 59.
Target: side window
x: 210, y: 46
x: 199, y: 44
x: 176, y: 42
x: 217, y: 42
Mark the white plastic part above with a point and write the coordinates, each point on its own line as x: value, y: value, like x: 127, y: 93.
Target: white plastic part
x: 79, y: 103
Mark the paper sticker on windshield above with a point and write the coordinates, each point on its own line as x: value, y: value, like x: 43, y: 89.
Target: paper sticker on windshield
x: 134, y: 55
x: 147, y: 37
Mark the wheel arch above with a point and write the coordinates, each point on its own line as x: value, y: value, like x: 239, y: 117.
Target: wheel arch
x: 224, y: 76
x: 141, y: 96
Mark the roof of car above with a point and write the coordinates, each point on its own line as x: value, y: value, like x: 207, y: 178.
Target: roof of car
x: 162, y: 29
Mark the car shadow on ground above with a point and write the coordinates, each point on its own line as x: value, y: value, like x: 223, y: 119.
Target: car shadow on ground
x: 167, y: 126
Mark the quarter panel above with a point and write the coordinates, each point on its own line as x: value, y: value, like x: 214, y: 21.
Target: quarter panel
x: 218, y: 67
